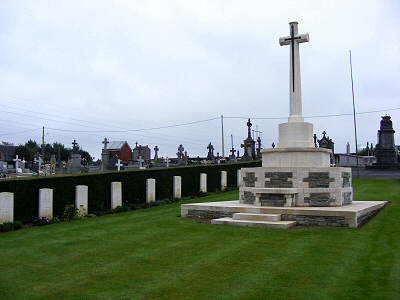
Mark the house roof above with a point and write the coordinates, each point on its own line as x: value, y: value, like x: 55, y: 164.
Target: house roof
x: 118, y: 145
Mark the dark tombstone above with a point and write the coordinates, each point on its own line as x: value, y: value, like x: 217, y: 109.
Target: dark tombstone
x: 210, y: 154
x: 386, y: 151
x: 143, y: 151
x: 258, y: 148
x: 112, y: 164
x: 156, y: 149
x: 180, y: 155
x: 327, y: 143
x: 249, y: 145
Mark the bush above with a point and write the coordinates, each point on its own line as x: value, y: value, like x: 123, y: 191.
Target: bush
x: 120, y: 209
x: 17, y: 225
x: 69, y: 213
x: 41, y: 221
x: 6, y: 226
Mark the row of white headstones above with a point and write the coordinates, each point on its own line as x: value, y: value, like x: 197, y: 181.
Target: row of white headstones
x: 82, y: 192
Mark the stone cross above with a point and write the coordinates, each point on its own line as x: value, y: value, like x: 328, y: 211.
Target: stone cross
x: 118, y: 164
x: 16, y: 159
x: 156, y: 152
x: 180, y: 151
x: 74, y: 143
x: 249, y: 129
x: 210, y: 148
x: 105, y: 142
x: 295, y: 82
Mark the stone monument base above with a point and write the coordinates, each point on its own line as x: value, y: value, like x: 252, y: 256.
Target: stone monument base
x: 296, y: 186
x: 296, y: 157
x: 241, y: 214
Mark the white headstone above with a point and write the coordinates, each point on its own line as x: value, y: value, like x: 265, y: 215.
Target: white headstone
x: 239, y: 174
x: 46, y: 203
x: 177, y: 187
x: 224, y: 180
x: 203, y: 182
x: 81, y: 199
x: 150, y: 190
x: 6, y: 207
x: 116, y: 194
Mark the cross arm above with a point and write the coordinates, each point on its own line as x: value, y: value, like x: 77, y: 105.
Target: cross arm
x: 301, y: 38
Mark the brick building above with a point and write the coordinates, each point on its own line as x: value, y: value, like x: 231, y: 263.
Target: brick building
x: 120, y: 149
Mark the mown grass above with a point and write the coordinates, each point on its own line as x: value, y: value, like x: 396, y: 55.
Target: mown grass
x: 155, y: 254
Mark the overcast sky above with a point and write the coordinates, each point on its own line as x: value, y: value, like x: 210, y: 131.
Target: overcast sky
x: 164, y: 72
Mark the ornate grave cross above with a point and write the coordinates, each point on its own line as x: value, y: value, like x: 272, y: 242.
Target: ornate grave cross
x: 118, y: 164
x: 16, y: 159
x: 258, y: 144
x: 156, y: 152
x: 105, y: 142
x: 180, y: 151
x: 295, y: 81
x: 233, y: 151
x: 210, y: 148
x: 74, y: 143
x: 249, y: 130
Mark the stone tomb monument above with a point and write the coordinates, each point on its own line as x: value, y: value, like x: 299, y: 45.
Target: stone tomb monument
x: 295, y: 182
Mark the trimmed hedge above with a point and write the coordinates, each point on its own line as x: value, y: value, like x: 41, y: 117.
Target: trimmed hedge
x: 26, y: 190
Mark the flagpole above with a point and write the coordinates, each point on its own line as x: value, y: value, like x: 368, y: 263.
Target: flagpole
x: 354, y: 113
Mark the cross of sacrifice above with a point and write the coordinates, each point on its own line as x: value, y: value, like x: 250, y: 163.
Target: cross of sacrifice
x: 105, y: 142
x: 16, y: 159
x: 119, y: 164
x: 295, y: 81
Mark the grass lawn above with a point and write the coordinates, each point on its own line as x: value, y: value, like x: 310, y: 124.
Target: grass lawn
x: 155, y: 254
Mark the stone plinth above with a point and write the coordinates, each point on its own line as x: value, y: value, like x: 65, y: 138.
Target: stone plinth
x: 296, y: 135
x: 296, y: 157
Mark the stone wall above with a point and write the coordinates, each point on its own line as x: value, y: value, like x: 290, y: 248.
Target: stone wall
x: 330, y: 186
x: 321, y: 221
x: 207, y: 214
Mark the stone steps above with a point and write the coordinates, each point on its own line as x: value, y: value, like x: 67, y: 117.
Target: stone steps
x: 255, y: 220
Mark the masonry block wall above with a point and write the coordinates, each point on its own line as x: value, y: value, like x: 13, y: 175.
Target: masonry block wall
x: 329, y: 186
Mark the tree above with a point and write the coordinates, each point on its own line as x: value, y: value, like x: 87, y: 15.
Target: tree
x: 25, y: 152
x: 30, y: 148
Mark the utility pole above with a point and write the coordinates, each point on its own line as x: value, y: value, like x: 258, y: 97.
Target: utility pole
x: 222, y: 126
x: 43, y: 144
